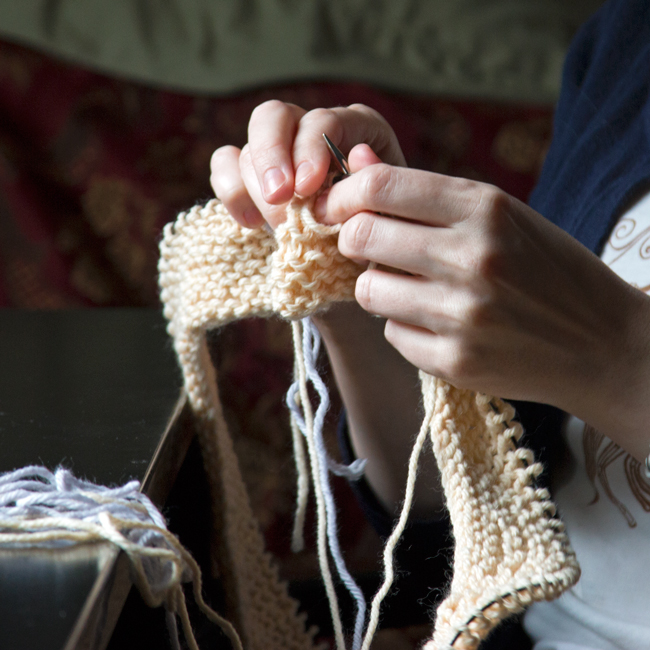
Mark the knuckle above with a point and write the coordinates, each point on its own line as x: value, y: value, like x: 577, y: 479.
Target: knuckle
x: 491, y: 264
x: 489, y: 199
x: 368, y: 112
x: 459, y: 364
x: 319, y: 115
x: 479, y: 312
x: 374, y: 116
x: 357, y: 235
x: 487, y: 203
x: 489, y: 258
x: 376, y: 184
x: 495, y: 199
x: 263, y: 110
x: 362, y: 108
x: 318, y: 121
x: 229, y: 194
x: 380, y: 135
x: 490, y: 254
x: 221, y: 156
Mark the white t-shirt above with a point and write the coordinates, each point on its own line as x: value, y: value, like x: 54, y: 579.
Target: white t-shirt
x: 608, y: 514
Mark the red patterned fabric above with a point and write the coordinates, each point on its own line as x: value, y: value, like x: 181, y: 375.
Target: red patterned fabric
x: 91, y: 167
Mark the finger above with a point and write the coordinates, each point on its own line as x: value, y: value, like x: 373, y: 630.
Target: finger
x: 412, y: 247
x: 346, y: 127
x: 271, y: 131
x: 311, y: 156
x: 229, y: 187
x: 360, y: 156
x: 437, y: 355
x: 408, y: 193
x: 363, y: 124
x: 413, y: 300
x: 274, y: 215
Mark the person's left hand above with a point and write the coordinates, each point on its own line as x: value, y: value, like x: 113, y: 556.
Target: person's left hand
x: 497, y: 299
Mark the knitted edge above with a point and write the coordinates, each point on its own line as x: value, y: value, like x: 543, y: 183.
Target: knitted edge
x: 189, y: 334
x: 499, y: 415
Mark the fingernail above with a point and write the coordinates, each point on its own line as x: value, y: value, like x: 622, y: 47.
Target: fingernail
x: 252, y: 218
x: 320, y: 207
x: 303, y: 172
x: 274, y: 179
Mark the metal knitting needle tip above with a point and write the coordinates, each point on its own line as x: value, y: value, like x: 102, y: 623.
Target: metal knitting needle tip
x: 340, y: 160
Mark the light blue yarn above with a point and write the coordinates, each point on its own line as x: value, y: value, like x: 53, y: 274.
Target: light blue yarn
x: 310, y: 348
x: 34, y: 492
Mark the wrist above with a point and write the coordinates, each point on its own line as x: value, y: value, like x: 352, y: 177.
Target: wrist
x: 615, y: 393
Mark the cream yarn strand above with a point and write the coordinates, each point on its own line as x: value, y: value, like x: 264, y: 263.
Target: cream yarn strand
x: 395, y: 535
x: 296, y: 328
x: 302, y: 484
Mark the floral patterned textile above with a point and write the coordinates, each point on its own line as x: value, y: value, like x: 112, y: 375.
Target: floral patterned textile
x: 92, y: 167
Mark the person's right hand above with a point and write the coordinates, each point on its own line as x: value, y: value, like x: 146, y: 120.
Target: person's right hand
x: 286, y: 155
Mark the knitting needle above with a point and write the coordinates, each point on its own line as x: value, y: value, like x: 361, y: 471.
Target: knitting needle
x: 344, y: 169
x: 339, y: 159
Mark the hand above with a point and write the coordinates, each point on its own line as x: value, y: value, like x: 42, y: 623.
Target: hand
x: 497, y: 299
x: 286, y: 154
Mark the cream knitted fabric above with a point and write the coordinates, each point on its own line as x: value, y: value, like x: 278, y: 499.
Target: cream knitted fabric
x: 509, y: 552
x: 509, y: 549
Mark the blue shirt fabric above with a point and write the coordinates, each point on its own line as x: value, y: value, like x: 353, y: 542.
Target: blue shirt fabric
x: 599, y: 159
x: 598, y: 163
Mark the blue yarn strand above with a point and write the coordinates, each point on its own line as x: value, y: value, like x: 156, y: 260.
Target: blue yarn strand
x: 311, y: 346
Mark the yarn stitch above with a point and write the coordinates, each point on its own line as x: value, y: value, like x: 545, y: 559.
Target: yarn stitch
x: 510, y: 549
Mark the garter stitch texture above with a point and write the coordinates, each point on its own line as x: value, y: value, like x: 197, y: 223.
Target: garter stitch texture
x: 509, y: 548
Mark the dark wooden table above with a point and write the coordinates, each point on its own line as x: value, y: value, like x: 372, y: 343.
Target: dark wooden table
x: 93, y: 390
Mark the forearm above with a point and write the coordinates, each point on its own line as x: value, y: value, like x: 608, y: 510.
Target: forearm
x: 613, y: 394
x: 381, y: 394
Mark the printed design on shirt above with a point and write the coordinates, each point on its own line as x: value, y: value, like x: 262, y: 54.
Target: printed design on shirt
x: 630, y: 242
x: 599, y: 457
x: 626, y: 253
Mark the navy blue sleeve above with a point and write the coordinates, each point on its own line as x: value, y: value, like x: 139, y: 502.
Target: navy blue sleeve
x: 599, y: 158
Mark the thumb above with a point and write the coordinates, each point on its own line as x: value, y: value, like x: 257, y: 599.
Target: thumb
x: 361, y: 156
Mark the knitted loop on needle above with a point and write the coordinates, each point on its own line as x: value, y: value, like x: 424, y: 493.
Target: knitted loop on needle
x: 54, y: 510
x: 510, y: 550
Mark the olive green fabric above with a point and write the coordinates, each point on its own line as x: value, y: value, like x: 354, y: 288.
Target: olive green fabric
x: 493, y: 49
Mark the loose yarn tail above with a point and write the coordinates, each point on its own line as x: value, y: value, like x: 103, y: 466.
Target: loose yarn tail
x: 393, y: 540
x: 302, y: 483
x: 321, y: 513
x: 306, y: 346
